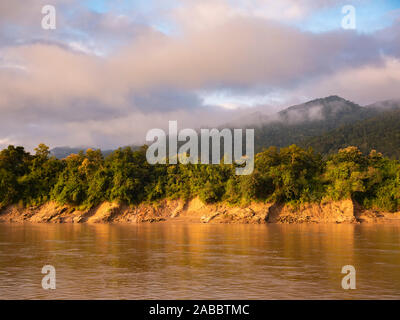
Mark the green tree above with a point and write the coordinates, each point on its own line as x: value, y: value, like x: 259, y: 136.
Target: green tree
x: 346, y: 174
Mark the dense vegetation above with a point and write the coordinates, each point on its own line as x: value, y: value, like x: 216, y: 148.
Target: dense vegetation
x: 381, y: 132
x: 290, y: 174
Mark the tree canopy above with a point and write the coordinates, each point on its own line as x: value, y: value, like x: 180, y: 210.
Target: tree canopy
x: 292, y: 175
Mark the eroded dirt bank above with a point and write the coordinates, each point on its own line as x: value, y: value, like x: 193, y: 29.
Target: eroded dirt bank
x: 195, y: 211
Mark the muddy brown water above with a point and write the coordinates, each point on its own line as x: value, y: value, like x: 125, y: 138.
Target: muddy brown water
x: 199, y: 261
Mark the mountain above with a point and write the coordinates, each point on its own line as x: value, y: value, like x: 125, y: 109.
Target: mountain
x: 330, y: 111
x: 310, y: 119
x: 381, y: 132
x: 326, y: 124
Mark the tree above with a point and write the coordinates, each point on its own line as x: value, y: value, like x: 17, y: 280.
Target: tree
x: 346, y: 174
x: 14, y: 163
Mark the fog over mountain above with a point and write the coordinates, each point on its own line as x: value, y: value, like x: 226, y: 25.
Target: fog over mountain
x: 386, y: 105
x: 296, y: 124
x: 332, y: 109
x: 310, y: 119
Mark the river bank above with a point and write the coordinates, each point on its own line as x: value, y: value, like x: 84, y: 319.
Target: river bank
x: 195, y: 211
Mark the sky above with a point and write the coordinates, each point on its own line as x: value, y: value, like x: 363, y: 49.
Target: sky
x: 112, y: 70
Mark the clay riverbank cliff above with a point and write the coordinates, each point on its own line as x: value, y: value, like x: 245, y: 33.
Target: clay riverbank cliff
x: 195, y: 211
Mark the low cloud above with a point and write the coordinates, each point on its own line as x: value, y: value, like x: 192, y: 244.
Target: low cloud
x: 104, y: 79
x: 364, y: 84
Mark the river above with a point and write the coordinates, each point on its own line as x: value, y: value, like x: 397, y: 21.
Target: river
x: 199, y: 261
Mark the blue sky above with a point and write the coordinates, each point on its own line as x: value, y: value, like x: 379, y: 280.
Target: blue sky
x: 372, y: 15
x: 124, y: 6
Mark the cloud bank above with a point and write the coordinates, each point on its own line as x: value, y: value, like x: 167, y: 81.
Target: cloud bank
x: 105, y: 78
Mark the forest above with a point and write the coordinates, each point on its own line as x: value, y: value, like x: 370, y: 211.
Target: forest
x: 288, y: 175
x: 381, y: 132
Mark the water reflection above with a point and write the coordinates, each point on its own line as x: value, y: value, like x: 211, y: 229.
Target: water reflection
x: 197, y: 261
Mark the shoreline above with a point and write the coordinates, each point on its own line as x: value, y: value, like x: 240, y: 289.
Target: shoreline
x: 345, y: 211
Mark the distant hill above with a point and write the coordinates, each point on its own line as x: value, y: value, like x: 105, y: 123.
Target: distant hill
x: 63, y: 152
x: 381, y: 132
x: 308, y: 120
x: 387, y: 105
